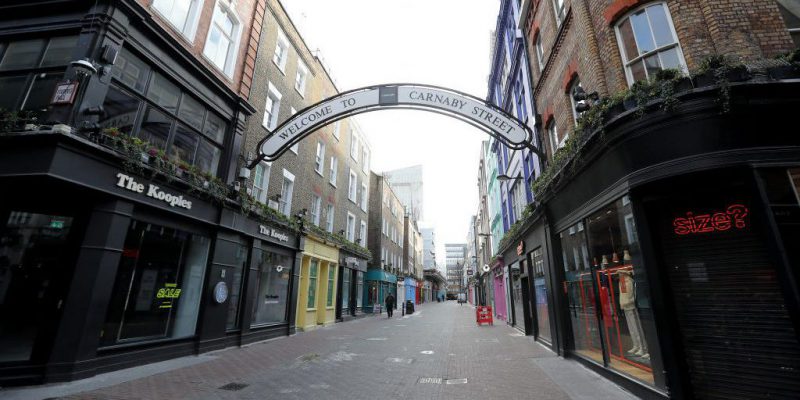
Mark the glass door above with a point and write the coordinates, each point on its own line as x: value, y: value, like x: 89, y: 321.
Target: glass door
x: 34, y: 274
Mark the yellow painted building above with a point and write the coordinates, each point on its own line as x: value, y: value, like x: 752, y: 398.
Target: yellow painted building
x: 316, y: 300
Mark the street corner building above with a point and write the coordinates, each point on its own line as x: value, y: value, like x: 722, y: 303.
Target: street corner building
x: 657, y: 243
x: 123, y: 236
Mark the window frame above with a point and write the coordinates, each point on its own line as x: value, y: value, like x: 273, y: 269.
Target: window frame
x: 539, y: 52
x: 329, y: 217
x: 316, y: 209
x: 350, y: 229
x: 281, y: 42
x: 560, y: 12
x: 334, y: 166
x: 576, y: 82
x: 319, y: 159
x: 364, y: 195
x: 352, y: 186
x: 233, y: 51
x: 272, y: 123
x: 260, y: 191
x: 189, y: 30
x: 626, y: 63
x: 285, y: 205
x: 300, y: 84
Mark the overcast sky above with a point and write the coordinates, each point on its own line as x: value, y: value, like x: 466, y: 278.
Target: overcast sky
x: 438, y: 42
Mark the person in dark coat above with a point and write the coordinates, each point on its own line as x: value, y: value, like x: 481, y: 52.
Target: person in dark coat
x: 389, y: 304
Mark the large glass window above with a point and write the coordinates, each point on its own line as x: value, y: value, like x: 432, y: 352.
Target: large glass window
x: 648, y: 43
x: 222, y: 42
x: 359, y: 288
x: 346, y: 272
x: 331, y: 282
x: 231, y: 257
x: 158, y: 285
x: 312, y: 284
x: 272, y: 281
x: 608, y: 296
x: 540, y: 293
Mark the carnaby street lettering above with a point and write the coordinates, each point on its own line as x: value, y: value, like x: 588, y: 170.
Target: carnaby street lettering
x: 128, y: 183
x: 437, y: 99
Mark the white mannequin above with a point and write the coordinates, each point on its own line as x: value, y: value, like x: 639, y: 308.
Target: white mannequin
x: 627, y: 302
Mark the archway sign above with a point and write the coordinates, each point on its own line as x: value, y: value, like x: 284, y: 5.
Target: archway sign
x: 470, y: 109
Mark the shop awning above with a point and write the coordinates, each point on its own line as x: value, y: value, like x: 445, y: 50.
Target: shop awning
x: 380, y: 275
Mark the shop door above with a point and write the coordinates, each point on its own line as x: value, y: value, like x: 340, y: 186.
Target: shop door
x: 516, y: 299
x: 35, y: 271
x: 738, y: 339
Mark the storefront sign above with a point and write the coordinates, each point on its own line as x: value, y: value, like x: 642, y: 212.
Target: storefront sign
x: 128, y: 183
x: 168, y: 294
x: 273, y: 233
x: 733, y: 216
x: 521, y: 248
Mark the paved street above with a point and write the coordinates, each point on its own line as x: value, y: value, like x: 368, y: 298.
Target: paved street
x: 436, y: 353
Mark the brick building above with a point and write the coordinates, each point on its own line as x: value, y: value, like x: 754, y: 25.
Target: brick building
x: 385, y: 239
x: 657, y: 116
x: 325, y: 177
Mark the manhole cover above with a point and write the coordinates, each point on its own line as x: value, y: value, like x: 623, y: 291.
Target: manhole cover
x: 435, y: 381
x: 426, y: 351
x: 399, y: 360
x: 455, y: 381
x: 234, y: 386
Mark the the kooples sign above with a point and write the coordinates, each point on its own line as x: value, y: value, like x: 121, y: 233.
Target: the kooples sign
x: 273, y: 233
x: 128, y: 183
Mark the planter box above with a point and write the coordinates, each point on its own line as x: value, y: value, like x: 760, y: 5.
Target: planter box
x: 629, y: 104
x: 784, y: 72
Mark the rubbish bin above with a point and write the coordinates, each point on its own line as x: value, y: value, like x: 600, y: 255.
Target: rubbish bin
x: 409, y: 307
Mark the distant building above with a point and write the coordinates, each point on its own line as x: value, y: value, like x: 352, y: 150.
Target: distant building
x: 428, y: 248
x: 407, y: 184
x: 455, y: 254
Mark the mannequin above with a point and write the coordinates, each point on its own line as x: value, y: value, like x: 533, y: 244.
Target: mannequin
x: 627, y: 302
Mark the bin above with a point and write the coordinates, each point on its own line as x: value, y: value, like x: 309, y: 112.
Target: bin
x: 409, y: 307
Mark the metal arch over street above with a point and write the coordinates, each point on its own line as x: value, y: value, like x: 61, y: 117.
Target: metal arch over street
x: 470, y: 109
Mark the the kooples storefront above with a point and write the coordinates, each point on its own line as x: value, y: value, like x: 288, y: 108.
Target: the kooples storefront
x: 102, y: 269
x: 674, y: 250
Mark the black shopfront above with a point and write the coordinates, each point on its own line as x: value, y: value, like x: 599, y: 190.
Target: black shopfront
x: 670, y: 257
x: 109, y: 261
x: 350, y: 296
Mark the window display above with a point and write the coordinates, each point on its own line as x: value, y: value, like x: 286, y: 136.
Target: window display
x: 272, y: 281
x: 158, y: 285
x: 540, y: 288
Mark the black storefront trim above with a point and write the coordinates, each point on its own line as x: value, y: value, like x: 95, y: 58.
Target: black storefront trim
x: 638, y: 389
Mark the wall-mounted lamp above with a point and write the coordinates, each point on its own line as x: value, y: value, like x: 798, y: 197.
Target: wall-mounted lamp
x: 505, y: 178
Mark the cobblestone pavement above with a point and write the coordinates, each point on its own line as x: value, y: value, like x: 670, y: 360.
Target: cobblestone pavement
x: 436, y: 353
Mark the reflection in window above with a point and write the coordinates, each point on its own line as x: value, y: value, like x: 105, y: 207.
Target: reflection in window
x: 22, y: 54
x: 158, y: 285
x: 155, y: 128
x: 184, y: 144
x: 231, y: 257
x: 192, y: 112
x: 272, y: 281
x: 131, y: 71
x: 41, y: 91
x: 120, y: 110
x: 540, y: 292
x: 12, y: 90
x: 221, y: 43
x: 59, y: 51
x: 164, y: 93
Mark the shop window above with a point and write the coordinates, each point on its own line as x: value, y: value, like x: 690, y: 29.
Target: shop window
x: 121, y: 109
x: 540, y: 293
x: 312, y: 285
x: 359, y: 288
x: 192, y: 112
x: 790, y: 10
x: 208, y: 155
x: 131, y: 71
x: 331, y: 277
x: 346, y: 277
x: 155, y: 128
x: 12, y: 90
x: 648, y: 43
x: 34, y: 258
x: 158, y: 285
x: 215, y: 127
x: 184, y: 144
x: 231, y: 257
x: 164, y: 93
x: 272, y: 281
x: 59, y: 51
x: 222, y: 43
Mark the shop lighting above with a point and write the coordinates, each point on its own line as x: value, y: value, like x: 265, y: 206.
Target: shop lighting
x: 505, y: 178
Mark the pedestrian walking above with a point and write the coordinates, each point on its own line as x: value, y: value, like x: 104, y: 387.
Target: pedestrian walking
x: 389, y: 304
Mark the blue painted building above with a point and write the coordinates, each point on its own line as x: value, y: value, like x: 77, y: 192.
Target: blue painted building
x: 510, y: 89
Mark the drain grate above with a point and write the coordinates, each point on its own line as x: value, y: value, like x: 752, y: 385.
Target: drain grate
x: 234, y: 386
x: 399, y: 360
x: 436, y: 381
x: 455, y: 381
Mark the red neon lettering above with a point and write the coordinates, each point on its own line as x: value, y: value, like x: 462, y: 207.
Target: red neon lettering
x: 734, y: 215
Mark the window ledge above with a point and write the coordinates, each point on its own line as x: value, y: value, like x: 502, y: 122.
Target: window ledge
x: 282, y: 69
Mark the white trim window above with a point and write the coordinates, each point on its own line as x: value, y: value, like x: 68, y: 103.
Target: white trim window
x: 329, y: 218
x: 364, y: 159
x: 648, y: 43
x: 181, y: 14
x: 222, y: 43
x: 336, y: 128
x: 271, y: 107
x: 281, y: 53
x: 560, y: 8
x: 285, y: 205
x: 295, y: 147
x: 261, y: 181
x: 319, y: 161
x: 334, y: 170
x: 364, y: 196
x: 353, y: 145
x: 300, y: 78
x: 539, y: 53
x: 352, y: 186
x: 316, y: 207
x: 362, y: 233
x: 552, y: 132
x: 351, y: 227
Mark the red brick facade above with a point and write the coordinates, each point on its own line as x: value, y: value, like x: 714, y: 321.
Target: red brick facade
x: 585, y: 45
